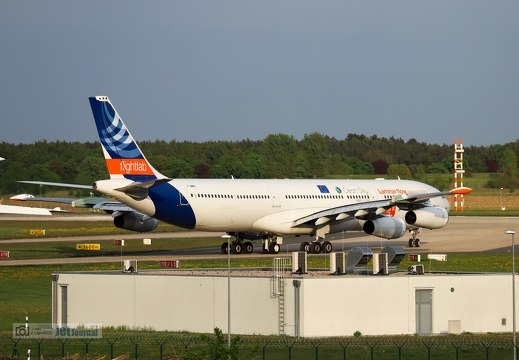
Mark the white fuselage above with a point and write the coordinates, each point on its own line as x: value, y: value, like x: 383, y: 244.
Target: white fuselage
x: 270, y: 206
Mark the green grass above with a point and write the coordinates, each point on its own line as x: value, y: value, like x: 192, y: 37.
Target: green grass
x: 17, y: 229
x: 67, y: 249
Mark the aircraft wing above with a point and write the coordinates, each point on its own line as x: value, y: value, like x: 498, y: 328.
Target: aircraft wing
x: 23, y: 210
x: 374, y: 207
x: 346, y: 211
x: 417, y: 198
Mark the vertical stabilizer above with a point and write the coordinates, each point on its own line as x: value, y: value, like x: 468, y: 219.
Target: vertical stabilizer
x: 123, y: 157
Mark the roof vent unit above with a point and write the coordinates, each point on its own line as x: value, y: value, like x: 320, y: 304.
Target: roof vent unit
x: 357, y: 259
x: 337, y: 263
x: 380, y: 265
x: 130, y: 266
x: 395, y: 255
x: 416, y: 270
x: 299, y: 262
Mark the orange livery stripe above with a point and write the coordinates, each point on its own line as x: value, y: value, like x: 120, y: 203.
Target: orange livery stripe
x: 129, y: 167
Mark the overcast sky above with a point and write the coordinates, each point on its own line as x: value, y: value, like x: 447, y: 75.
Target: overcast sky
x: 232, y: 70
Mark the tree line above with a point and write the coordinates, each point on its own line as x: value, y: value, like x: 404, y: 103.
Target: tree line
x: 276, y: 156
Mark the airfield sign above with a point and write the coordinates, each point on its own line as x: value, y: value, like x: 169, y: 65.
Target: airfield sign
x: 88, y: 246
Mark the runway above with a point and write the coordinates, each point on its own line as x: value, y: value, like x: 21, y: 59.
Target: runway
x: 462, y: 234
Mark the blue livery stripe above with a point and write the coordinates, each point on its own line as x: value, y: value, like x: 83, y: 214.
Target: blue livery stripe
x: 323, y: 189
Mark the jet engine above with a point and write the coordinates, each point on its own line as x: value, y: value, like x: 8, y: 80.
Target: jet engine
x: 135, y: 221
x: 386, y: 227
x: 428, y: 217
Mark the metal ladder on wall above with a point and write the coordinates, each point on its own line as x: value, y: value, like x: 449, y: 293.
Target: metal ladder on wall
x: 279, y: 265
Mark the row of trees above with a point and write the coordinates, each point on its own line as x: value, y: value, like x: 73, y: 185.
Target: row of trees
x: 277, y: 156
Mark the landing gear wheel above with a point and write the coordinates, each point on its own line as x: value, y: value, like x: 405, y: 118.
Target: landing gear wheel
x: 274, y: 248
x: 414, y: 242
x: 248, y: 248
x: 224, y: 248
x: 315, y: 247
x: 327, y: 247
x: 305, y: 246
x: 236, y: 248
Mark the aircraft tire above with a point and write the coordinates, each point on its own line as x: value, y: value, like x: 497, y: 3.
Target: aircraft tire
x: 236, y: 248
x: 417, y: 243
x: 315, y: 247
x: 411, y: 243
x: 274, y: 248
x: 305, y: 246
x: 224, y: 248
x: 327, y: 247
x: 248, y: 248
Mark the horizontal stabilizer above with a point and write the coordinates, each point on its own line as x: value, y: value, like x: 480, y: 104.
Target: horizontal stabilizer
x: 73, y: 186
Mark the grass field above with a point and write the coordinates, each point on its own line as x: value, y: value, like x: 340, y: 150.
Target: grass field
x: 20, y: 229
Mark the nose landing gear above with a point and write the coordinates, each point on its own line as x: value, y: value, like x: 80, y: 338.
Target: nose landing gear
x: 414, y: 241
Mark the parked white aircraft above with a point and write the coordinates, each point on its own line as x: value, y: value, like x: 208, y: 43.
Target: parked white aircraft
x: 22, y: 210
x: 259, y: 209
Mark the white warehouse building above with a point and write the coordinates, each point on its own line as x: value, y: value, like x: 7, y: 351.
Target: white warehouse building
x: 307, y: 305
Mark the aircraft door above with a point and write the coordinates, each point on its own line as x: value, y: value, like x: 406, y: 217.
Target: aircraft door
x: 182, y: 199
x: 372, y: 194
x: 275, y: 197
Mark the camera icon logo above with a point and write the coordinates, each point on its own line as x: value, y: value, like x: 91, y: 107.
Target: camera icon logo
x: 21, y: 330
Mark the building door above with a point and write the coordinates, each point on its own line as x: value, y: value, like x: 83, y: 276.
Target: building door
x: 423, y: 301
x: 64, y: 300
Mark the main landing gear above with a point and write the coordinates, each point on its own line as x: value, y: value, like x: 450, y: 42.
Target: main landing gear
x: 271, y: 245
x: 316, y: 247
x: 238, y: 247
x: 414, y: 241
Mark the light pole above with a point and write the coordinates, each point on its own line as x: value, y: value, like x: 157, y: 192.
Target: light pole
x: 228, y: 237
x: 512, y: 232
x: 501, y: 199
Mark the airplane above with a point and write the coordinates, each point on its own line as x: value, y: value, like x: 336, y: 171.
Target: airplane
x: 254, y: 209
x: 21, y: 210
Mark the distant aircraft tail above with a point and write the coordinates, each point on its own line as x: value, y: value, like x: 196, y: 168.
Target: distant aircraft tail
x: 123, y: 157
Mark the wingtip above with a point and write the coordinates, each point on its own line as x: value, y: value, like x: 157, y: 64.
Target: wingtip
x: 461, y: 191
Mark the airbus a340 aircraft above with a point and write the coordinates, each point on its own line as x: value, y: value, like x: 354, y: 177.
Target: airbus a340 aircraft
x: 258, y: 209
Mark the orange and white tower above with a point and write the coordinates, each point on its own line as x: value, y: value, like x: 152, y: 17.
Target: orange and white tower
x: 458, y: 172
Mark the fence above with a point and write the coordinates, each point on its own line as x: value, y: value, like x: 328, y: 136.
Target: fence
x: 159, y: 345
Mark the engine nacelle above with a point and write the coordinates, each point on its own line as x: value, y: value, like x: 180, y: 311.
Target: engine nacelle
x: 135, y: 221
x: 428, y: 217
x: 386, y: 227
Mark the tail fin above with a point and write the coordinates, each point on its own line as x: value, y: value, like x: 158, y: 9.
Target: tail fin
x: 123, y: 157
